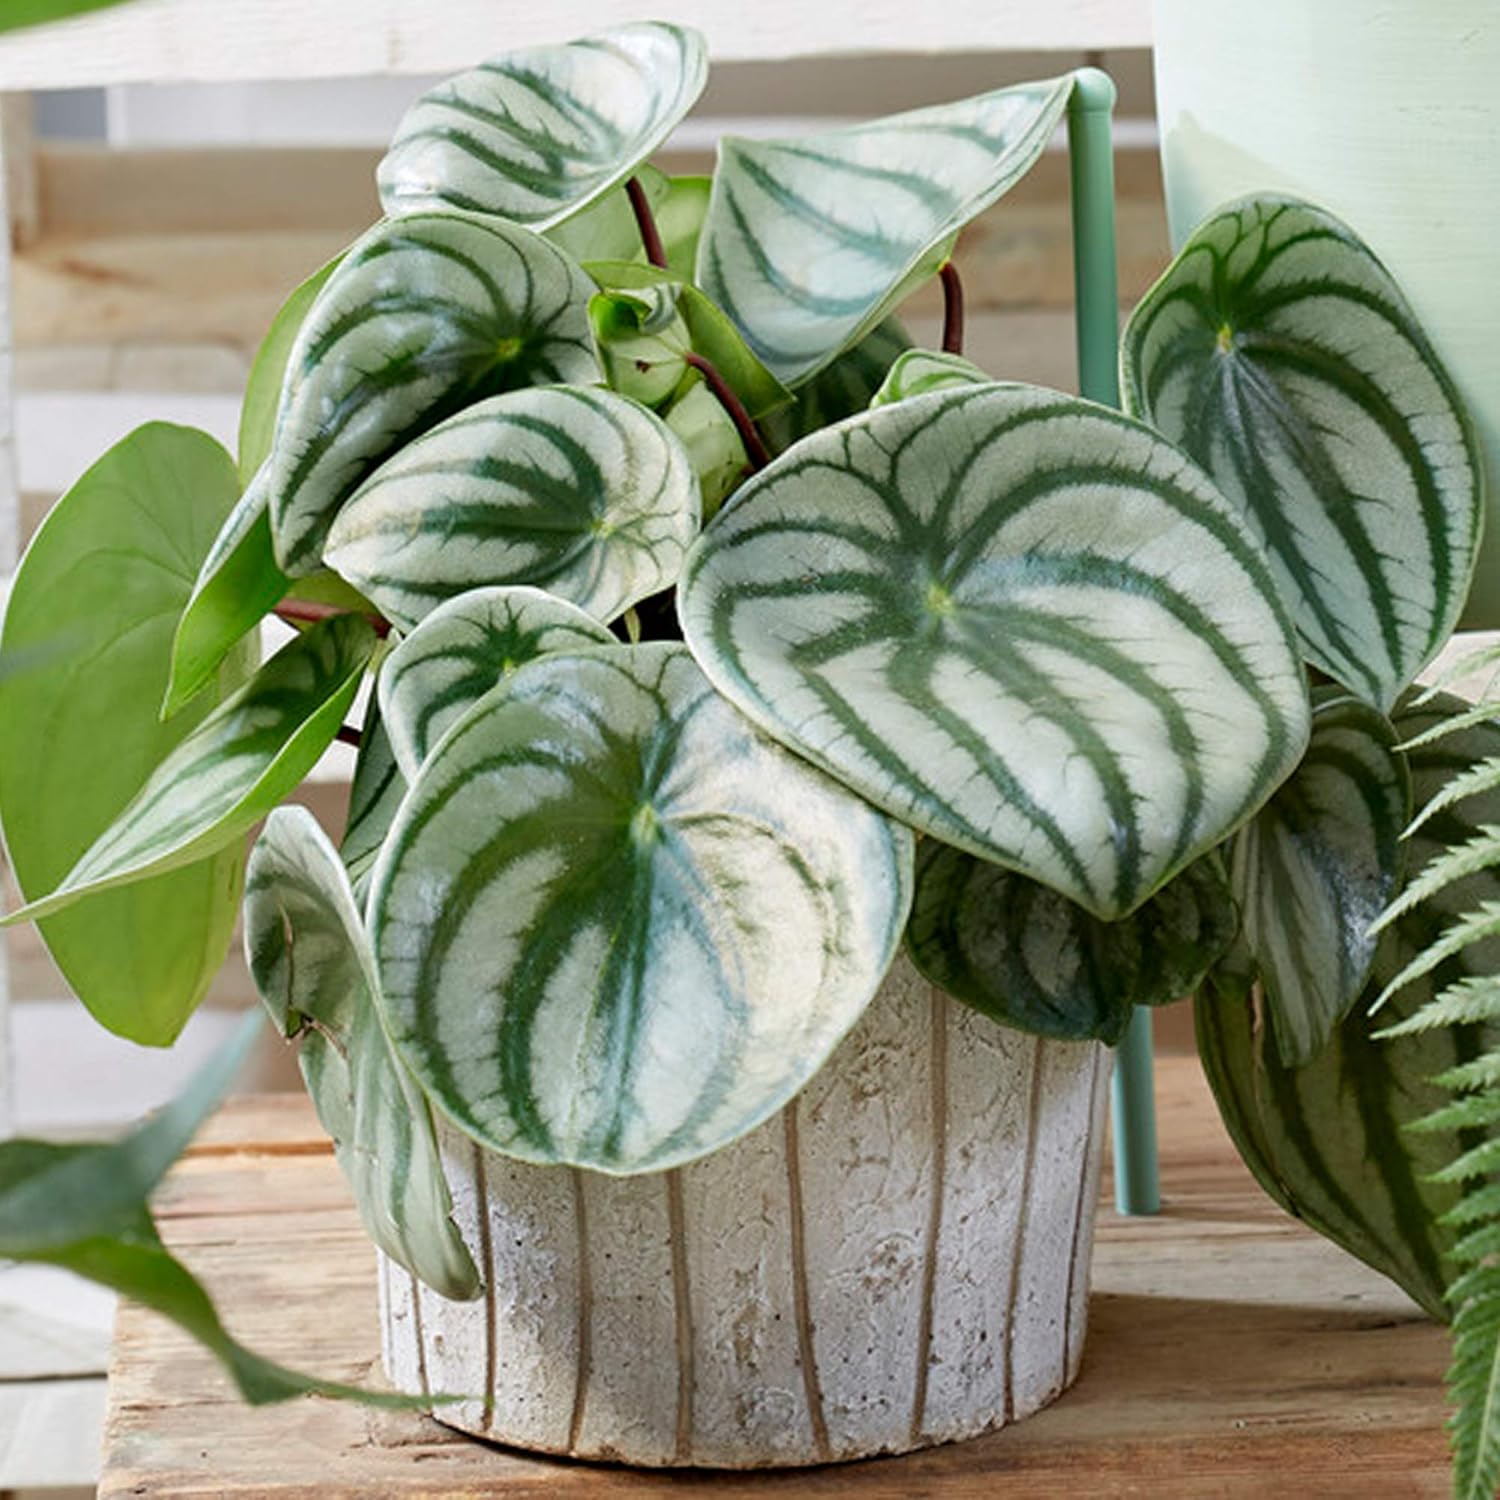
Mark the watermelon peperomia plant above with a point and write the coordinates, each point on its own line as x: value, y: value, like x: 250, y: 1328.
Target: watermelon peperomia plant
x: 718, y: 642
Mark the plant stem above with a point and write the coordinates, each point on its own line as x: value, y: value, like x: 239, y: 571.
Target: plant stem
x: 349, y: 735
x: 755, y: 445
x: 953, y: 309
x: 646, y: 221
x: 307, y: 612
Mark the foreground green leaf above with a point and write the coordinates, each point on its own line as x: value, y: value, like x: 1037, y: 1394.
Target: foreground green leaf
x: 810, y: 242
x: 425, y: 315
x: 312, y: 964
x: 1015, y: 621
x: 232, y: 769
x: 1315, y: 867
x: 569, y: 488
x: 919, y: 372
x: 1027, y: 957
x: 1279, y: 353
x: 576, y: 840
x: 538, y: 135
x: 19, y: 13
x: 93, y: 606
x: 463, y: 649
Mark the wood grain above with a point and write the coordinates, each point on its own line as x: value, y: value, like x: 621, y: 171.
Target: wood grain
x: 1230, y: 1353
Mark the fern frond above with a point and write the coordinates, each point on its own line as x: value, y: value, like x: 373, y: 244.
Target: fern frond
x: 1482, y: 713
x: 1469, y: 665
x: 1472, y: 1000
x: 1454, y: 864
x: 1475, y: 782
x: 1474, y: 1207
x: 1475, y: 927
x: 1474, y: 1384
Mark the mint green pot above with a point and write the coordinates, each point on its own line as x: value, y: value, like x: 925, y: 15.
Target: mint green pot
x: 1386, y: 112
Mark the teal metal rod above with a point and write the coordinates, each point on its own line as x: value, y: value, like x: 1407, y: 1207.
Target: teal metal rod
x: 1097, y: 299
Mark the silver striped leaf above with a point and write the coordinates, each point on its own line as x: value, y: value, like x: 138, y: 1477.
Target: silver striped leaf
x: 919, y: 372
x: 1279, y: 353
x: 842, y: 390
x: 1317, y: 865
x: 375, y: 795
x: 232, y: 769
x: 618, y: 927
x: 568, y: 488
x: 1015, y: 620
x: 1027, y: 957
x: 537, y: 135
x: 463, y: 649
x: 424, y: 316
x: 810, y: 242
x: 298, y: 902
x: 1328, y: 1140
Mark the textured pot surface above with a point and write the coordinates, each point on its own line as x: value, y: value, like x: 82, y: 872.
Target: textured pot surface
x: 901, y: 1257
x: 1389, y: 116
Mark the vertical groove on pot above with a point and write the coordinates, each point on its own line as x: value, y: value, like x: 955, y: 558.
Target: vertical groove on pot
x: 585, y: 1309
x: 487, y: 1261
x: 1083, y: 1250
x: 417, y: 1335
x: 1080, y: 1253
x: 682, y: 1308
x: 938, y: 1041
x: 1013, y: 1280
x: 807, y: 1352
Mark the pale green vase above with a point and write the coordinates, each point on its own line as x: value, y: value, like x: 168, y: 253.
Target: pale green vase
x: 1387, y: 114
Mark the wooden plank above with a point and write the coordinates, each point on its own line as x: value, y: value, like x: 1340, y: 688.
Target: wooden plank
x: 170, y: 40
x: 1231, y: 1353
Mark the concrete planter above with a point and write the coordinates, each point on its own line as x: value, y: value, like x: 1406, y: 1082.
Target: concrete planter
x: 900, y: 1258
x: 1388, y: 115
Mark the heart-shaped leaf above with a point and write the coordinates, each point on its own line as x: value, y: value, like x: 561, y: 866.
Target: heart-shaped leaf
x: 375, y: 794
x: 299, y: 905
x: 91, y: 611
x: 1279, y: 353
x: 618, y: 927
x: 1028, y: 957
x: 535, y: 136
x: 1316, y: 866
x: 425, y: 315
x: 463, y: 649
x: 919, y: 372
x: 809, y: 243
x: 571, y: 489
x: 1018, y: 622
x: 232, y: 769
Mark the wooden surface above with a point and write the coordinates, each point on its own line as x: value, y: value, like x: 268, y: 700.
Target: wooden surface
x: 1230, y: 1353
x: 162, y: 41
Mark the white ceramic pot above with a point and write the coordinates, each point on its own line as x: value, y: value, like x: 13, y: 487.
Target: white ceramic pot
x: 900, y: 1258
x: 1387, y: 114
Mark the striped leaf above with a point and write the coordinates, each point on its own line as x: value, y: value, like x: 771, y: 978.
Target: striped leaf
x: 1278, y: 352
x: 810, y: 242
x: 1317, y: 865
x: 842, y: 390
x: 299, y: 906
x: 1027, y: 957
x: 571, y: 489
x: 1328, y: 1140
x: 425, y: 315
x: 375, y: 794
x: 1015, y: 620
x: 232, y: 769
x: 919, y: 372
x: 535, y: 136
x: 618, y: 927
x: 463, y: 649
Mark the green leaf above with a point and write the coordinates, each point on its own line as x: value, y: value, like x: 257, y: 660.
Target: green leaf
x: 1316, y: 866
x: 268, y: 372
x: 83, y: 1208
x: 571, y: 489
x: 810, y: 242
x: 1027, y: 957
x: 232, y: 769
x: 1278, y: 352
x: 642, y: 342
x: 424, y: 316
x: 299, y: 904
x: 579, y: 839
x: 93, y: 605
x: 463, y: 649
x: 1015, y: 620
x: 712, y: 442
x: 374, y: 796
x: 919, y: 372
x: 18, y: 13
x: 1329, y: 1140
x: 608, y: 229
x: 535, y: 136
x: 679, y: 221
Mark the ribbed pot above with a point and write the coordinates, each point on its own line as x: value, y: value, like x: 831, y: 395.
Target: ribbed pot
x: 900, y: 1258
x: 1389, y: 116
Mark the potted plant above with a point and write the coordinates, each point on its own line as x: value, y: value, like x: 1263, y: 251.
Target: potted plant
x: 789, y: 756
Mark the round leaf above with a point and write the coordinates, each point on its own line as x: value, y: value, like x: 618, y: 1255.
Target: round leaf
x: 1279, y: 353
x: 1015, y: 620
x: 919, y: 372
x: 618, y: 927
x: 572, y: 489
